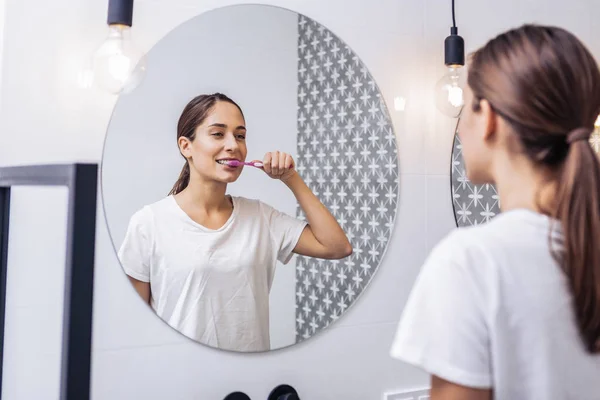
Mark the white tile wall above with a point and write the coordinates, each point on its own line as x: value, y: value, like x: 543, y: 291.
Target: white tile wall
x: 44, y: 117
x: 440, y: 215
x: 182, y: 371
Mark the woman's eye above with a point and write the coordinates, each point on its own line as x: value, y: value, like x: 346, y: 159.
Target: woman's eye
x: 217, y: 134
x: 242, y: 137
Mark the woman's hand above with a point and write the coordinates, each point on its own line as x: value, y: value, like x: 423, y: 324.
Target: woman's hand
x: 279, y: 165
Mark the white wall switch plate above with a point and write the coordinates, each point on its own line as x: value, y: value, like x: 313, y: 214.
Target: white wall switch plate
x: 421, y: 394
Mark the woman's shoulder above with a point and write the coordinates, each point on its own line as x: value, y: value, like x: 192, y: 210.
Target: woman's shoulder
x: 454, y: 243
x: 247, y: 202
x: 467, y: 239
x: 254, y: 207
x: 147, y: 212
x: 463, y: 247
x: 161, y: 205
x: 473, y: 245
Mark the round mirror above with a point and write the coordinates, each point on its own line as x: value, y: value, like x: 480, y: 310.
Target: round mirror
x: 476, y: 204
x: 257, y: 256
x: 472, y: 204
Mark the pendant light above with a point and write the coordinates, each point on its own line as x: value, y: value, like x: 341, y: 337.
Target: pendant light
x: 117, y: 65
x: 449, y: 89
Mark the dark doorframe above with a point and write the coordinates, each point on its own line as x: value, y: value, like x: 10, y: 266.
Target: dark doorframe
x: 81, y: 180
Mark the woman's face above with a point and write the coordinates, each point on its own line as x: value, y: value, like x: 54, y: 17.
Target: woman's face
x: 222, y: 136
x: 473, y: 131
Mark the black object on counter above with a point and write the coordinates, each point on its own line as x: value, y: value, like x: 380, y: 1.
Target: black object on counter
x: 237, y: 396
x: 284, y: 392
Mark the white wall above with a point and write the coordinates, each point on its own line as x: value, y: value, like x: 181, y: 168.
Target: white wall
x: 256, y: 69
x: 2, y: 8
x: 45, y: 118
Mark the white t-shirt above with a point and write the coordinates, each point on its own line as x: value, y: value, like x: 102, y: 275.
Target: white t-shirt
x: 492, y: 309
x: 211, y: 285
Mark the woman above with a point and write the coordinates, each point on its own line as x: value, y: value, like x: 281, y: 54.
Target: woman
x: 511, y: 309
x: 205, y: 260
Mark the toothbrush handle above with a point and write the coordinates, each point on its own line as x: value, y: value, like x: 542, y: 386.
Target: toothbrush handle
x: 260, y: 165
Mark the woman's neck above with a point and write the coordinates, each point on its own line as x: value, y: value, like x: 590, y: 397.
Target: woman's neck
x: 522, y: 185
x: 205, y: 196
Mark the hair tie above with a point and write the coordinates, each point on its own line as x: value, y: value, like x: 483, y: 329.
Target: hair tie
x: 579, y: 134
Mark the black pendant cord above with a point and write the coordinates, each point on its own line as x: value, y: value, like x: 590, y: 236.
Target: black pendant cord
x: 120, y: 12
x: 454, y: 45
x: 453, y: 16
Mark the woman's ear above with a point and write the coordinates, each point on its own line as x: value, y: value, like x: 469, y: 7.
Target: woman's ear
x: 185, y: 146
x: 488, y: 119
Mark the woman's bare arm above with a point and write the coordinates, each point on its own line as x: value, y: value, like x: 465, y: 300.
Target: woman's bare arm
x: 444, y: 390
x: 143, y: 289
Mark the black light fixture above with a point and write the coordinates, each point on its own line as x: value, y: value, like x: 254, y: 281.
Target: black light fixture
x: 117, y: 65
x: 120, y: 12
x: 449, y: 89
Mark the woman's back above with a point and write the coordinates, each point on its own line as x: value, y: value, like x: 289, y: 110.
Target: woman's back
x: 503, y: 312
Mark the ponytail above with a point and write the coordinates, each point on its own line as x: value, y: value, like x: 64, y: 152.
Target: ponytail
x: 578, y: 210
x: 183, y: 180
x: 544, y: 82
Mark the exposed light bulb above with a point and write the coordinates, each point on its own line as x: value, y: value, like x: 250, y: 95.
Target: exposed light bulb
x: 597, y: 123
x: 117, y: 65
x: 449, y: 97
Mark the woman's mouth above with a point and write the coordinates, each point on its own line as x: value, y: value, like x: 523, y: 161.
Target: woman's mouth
x: 225, y: 162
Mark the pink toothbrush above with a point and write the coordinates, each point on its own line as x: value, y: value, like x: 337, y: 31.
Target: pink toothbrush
x: 236, y: 163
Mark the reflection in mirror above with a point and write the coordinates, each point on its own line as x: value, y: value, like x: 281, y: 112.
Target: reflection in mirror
x: 476, y: 204
x: 250, y: 183
x: 473, y: 204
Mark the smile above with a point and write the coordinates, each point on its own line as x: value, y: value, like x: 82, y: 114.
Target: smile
x: 225, y: 160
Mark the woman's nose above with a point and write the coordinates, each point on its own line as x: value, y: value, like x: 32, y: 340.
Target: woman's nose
x: 231, y: 143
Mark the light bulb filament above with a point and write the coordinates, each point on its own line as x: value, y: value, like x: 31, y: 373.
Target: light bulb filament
x: 455, y: 96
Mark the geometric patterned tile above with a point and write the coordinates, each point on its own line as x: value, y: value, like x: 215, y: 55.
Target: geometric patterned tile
x: 476, y: 204
x: 473, y: 204
x: 347, y: 156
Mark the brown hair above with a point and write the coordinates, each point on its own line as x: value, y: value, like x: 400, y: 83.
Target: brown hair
x: 193, y: 115
x: 545, y: 83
